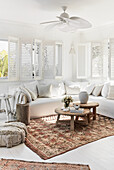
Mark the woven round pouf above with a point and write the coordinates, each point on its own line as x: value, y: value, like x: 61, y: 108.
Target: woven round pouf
x: 12, y: 134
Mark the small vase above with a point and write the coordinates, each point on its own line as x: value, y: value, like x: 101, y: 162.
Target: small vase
x: 66, y: 104
x: 83, y: 97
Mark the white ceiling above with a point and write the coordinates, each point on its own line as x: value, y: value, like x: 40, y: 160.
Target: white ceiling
x: 98, y: 12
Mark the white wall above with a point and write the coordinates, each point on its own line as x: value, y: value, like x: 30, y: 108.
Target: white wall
x: 97, y: 34
x: 27, y: 33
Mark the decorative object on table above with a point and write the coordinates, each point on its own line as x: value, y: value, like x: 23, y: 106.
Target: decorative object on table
x: 67, y: 101
x: 76, y: 106
x: 18, y: 164
x: 65, y: 109
x: 76, y: 111
x: 51, y: 140
x: 83, y: 97
x: 12, y: 134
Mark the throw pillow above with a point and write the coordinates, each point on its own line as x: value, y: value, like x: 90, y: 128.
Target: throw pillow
x: 72, y: 90
x: 105, y: 90
x: 89, y: 88
x: 33, y: 95
x: 58, y: 89
x: 111, y: 92
x: 45, y: 90
x: 97, y: 90
x: 22, y: 98
x: 28, y: 95
x: 32, y: 86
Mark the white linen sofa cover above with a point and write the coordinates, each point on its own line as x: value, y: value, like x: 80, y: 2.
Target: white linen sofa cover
x: 46, y: 106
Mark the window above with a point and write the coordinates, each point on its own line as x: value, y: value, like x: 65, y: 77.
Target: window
x: 58, y: 59
x: 111, y: 59
x: 48, y: 61
x: 37, y: 59
x: 26, y: 61
x: 97, y: 60
x: 3, y: 59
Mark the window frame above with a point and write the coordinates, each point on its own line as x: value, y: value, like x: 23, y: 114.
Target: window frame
x: 4, y: 79
x: 61, y: 76
x: 39, y: 59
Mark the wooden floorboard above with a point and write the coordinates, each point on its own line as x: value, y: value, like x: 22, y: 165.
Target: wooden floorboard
x: 99, y: 155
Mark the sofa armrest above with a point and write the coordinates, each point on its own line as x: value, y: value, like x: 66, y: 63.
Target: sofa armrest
x: 22, y: 98
x: 23, y: 113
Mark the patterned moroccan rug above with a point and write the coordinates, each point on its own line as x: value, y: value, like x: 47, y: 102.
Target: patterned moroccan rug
x: 7, y: 164
x: 48, y: 140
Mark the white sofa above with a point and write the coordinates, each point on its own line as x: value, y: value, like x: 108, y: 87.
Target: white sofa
x: 50, y: 94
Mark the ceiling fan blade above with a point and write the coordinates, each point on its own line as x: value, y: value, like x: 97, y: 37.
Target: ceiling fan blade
x: 49, y: 22
x: 61, y: 18
x: 53, y: 25
x: 81, y: 22
x: 75, y: 19
x: 67, y: 28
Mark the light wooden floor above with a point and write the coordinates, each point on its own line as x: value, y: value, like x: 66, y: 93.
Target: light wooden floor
x: 98, y: 155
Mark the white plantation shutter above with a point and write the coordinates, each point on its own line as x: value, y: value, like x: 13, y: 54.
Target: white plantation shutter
x: 111, y: 58
x: 26, y: 62
x: 58, y: 60
x: 49, y: 61
x: 97, y: 60
x: 37, y: 59
x: 105, y: 52
x: 13, y: 60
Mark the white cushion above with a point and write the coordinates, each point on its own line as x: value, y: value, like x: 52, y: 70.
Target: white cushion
x: 111, y: 92
x: 33, y: 95
x: 97, y: 90
x: 105, y: 90
x: 71, y: 83
x: 58, y: 89
x: 71, y: 89
x: 22, y: 98
x: 45, y: 90
x: 32, y: 86
x: 25, y: 91
x: 90, y: 88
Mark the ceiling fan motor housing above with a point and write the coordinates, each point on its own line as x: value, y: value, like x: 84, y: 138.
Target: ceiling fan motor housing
x: 64, y: 15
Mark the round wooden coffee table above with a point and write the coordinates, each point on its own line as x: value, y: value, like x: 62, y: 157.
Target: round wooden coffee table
x: 85, y: 114
x: 89, y: 105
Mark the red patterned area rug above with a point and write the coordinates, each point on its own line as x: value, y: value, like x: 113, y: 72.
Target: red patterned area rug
x: 7, y: 164
x: 48, y: 140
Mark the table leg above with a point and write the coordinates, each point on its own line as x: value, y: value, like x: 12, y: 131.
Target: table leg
x: 88, y: 117
x: 57, y: 119
x: 0, y: 104
x: 76, y: 117
x: 7, y: 113
x: 94, y: 113
x: 72, y: 123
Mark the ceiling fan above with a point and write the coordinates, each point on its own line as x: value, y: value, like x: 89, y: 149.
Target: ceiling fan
x: 66, y: 23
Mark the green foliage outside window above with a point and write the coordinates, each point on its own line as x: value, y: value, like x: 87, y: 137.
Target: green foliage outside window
x: 3, y: 64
